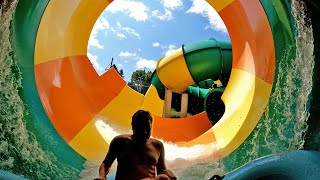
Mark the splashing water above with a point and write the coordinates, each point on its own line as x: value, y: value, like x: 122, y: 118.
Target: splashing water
x: 177, y: 158
x: 19, y: 151
x: 283, y: 125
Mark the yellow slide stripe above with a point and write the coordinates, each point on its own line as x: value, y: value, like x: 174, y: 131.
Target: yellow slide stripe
x: 152, y: 102
x: 218, y: 5
x: 117, y: 114
x: 177, y: 67
x: 65, y: 28
x: 245, y: 98
x: 89, y: 143
x: 120, y: 110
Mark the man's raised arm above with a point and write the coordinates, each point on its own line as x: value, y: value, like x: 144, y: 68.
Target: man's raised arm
x: 107, y: 162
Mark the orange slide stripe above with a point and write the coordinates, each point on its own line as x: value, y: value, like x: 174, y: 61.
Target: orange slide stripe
x: 72, y: 93
x: 257, y: 55
x: 180, y: 129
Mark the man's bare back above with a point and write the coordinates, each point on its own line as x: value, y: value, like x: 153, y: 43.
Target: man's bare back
x: 139, y: 156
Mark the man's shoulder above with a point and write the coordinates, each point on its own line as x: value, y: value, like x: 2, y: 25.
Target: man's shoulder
x: 122, y: 137
x: 156, y: 142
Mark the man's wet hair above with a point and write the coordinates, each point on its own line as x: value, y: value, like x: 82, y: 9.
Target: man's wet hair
x: 140, y: 116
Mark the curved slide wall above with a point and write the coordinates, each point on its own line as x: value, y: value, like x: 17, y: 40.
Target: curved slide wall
x: 65, y: 97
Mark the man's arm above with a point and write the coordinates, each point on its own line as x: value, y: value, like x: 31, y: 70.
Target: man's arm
x: 107, y: 162
x: 161, y: 165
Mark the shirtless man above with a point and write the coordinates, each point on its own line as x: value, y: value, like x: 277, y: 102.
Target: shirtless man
x: 139, y: 156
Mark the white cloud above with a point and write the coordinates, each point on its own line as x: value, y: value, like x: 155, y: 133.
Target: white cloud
x: 203, y: 8
x: 121, y: 36
x: 144, y: 63
x: 127, y: 54
x: 168, y: 5
x: 163, y: 17
x: 169, y: 49
x: 126, y: 30
x: 135, y: 10
x: 155, y: 44
x: 101, y: 25
x: 94, y: 42
x: 172, y: 4
x: 94, y: 60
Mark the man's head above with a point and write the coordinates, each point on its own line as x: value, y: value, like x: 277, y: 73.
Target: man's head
x: 141, y: 125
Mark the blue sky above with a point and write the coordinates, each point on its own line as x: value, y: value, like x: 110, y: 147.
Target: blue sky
x: 138, y: 33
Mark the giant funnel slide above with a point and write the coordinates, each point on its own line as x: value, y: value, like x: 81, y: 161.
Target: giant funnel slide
x: 192, y: 64
x: 192, y: 68
x: 67, y: 101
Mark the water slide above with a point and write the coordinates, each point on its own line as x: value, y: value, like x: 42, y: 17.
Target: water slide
x: 191, y: 64
x: 65, y: 106
x: 194, y: 63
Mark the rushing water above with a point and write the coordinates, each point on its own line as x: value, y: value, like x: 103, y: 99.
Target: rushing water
x: 19, y: 151
x: 281, y: 128
x: 283, y: 125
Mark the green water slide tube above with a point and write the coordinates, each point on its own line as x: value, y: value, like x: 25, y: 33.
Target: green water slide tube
x: 206, y: 61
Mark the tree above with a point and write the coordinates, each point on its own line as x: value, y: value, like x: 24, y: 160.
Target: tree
x: 116, y: 68
x: 141, y: 80
x: 119, y: 72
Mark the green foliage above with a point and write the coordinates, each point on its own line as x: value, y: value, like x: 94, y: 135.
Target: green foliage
x: 176, y: 114
x: 119, y: 72
x: 140, y: 80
